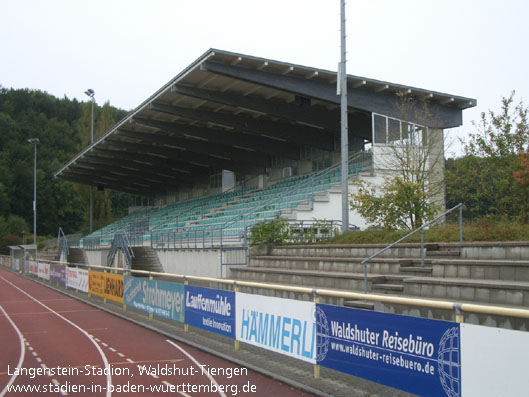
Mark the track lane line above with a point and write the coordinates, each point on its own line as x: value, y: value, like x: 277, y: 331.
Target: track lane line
x: 211, y: 378
x: 22, y: 353
x: 101, y: 352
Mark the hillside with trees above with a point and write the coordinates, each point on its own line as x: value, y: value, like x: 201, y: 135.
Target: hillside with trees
x: 63, y: 129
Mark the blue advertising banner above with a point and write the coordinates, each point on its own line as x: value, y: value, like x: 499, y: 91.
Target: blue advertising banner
x: 161, y: 298
x: 211, y: 309
x: 58, y: 274
x: 416, y: 355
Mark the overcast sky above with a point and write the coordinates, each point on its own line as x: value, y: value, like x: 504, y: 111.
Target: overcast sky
x: 127, y: 49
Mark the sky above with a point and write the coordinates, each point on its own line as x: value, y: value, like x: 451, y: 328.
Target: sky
x: 125, y: 50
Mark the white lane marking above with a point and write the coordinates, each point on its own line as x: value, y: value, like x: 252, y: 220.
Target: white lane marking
x: 29, y: 347
x: 112, y: 349
x: 101, y: 352
x: 104, y: 344
x: 56, y: 383
x: 22, y: 353
x: 121, y: 355
x: 34, y: 354
x: 130, y: 361
x: 211, y: 378
x: 38, y: 359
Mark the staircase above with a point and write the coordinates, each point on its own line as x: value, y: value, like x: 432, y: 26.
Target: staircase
x: 481, y: 273
x: 77, y: 255
x: 145, y: 258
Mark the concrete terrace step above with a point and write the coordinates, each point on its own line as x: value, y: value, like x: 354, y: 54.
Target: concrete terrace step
x: 306, y: 278
x: 351, y: 264
x: 481, y: 269
x: 328, y: 250
x: 497, y: 292
x: 416, y: 270
x: 443, y: 253
x: 439, y: 267
x: 388, y: 287
x: 511, y: 250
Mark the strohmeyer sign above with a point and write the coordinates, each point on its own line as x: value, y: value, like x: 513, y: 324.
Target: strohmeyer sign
x: 282, y: 325
x: 161, y: 298
x: 416, y: 355
x: 211, y: 309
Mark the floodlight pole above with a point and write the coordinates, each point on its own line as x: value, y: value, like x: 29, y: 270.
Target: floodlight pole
x: 343, y: 116
x: 90, y: 92
x: 34, y: 142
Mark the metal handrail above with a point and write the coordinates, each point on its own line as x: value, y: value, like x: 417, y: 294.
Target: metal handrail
x: 121, y: 241
x: 428, y: 303
x: 62, y: 243
x: 322, y: 229
x: 420, y: 229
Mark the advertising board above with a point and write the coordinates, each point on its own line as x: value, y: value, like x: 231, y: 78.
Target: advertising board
x: 211, y: 309
x: 160, y: 298
x: 285, y: 326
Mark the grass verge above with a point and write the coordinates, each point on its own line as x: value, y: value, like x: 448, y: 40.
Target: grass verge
x: 481, y: 230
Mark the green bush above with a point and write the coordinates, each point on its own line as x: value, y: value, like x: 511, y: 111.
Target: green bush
x: 276, y: 232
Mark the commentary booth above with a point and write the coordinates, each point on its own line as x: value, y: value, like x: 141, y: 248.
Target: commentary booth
x: 234, y: 140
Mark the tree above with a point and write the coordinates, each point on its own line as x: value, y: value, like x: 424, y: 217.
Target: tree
x: 59, y: 123
x: 11, y: 232
x: 411, y: 155
x: 485, y: 178
x: 522, y: 176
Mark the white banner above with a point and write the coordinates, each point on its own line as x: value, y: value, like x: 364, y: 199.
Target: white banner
x: 33, y: 267
x: 44, y: 270
x: 77, y: 278
x: 494, y: 361
x: 285, y: 326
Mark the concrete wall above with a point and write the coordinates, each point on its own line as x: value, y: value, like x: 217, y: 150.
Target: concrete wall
x: 97, y: 258
x: 331, y: 209
x: 191, y: 262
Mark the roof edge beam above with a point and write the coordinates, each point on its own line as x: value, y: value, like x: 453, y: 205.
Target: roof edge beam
x: 384, y: 103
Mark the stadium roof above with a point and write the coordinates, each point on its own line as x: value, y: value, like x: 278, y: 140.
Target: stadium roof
x: 235, y: 112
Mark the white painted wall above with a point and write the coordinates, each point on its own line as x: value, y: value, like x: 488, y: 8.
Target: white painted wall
x: 332, y: 209
x: 191, y: 262
x: 97, y: 258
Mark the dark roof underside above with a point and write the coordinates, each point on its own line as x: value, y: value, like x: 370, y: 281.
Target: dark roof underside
x: 232, y: 111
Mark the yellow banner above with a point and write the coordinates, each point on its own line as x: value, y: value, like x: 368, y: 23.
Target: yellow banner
x: 106, y: 285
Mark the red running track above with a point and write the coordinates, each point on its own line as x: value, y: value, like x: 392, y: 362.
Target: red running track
x: 52, y: 344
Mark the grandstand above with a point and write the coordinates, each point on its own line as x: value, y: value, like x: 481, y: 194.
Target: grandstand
x: 234, y: 140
